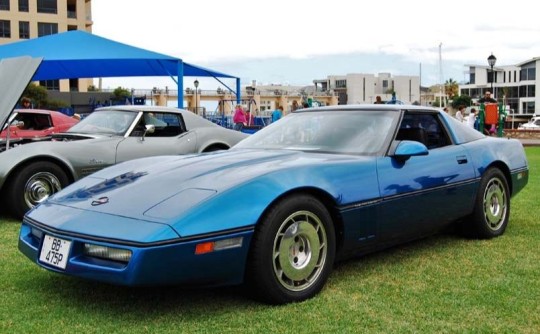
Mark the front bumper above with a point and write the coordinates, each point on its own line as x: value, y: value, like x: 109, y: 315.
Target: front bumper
x: 152, y: 264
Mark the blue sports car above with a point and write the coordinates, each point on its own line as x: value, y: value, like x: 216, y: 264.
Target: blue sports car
x: 282, y: 206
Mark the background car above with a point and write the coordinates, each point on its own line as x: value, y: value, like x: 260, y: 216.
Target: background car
x: 278, y: 209
x: 532, y: 124
x: 35, y: 124
x: 30, y: 173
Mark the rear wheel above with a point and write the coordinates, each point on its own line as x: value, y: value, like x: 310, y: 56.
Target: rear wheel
x: 292, y: 251
x: 33, y: 184
x: 492, y: 207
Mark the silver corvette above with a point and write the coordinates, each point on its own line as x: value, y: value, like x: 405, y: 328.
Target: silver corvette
x: 30, y: 173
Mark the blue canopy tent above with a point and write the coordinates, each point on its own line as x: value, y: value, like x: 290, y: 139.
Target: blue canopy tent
x: 79, y: 54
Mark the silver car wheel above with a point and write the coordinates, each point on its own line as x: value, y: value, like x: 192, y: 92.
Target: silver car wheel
x: 39, y: 187
x: 299, y: 253
x: 495, y: 200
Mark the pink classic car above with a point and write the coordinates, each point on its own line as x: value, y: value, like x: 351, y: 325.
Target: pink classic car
x: 30, y: 124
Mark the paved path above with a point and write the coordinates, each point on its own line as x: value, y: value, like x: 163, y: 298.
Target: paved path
x: 530, y: 142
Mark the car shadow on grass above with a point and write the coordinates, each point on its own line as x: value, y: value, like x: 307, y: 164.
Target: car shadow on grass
x: 140, y: 302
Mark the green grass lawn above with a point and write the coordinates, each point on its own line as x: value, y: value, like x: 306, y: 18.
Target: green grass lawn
x: 443, y: 284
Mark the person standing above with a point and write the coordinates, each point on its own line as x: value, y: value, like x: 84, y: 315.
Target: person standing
x: 378, y: 100
x: 295, y: 105
x: 26, y: 103
x: 239, y: 118
x: 487, y: 98
x: 472, y: 119
x: 276, y: 114
x: 459, y: 113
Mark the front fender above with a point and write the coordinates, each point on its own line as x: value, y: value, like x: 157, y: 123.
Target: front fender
x: 12, y: 159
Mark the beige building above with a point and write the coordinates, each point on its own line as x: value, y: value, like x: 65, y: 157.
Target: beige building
x: 25, y: 19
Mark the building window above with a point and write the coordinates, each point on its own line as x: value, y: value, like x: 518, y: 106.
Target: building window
x: 5, y: 28
x: 472, y: 78
x: 50, y: 84
x: 527, y: 74
x: 45, y: 29
x: 531, y: 91
x: 47, y: 6
x: 72, y: 10
x: 531, y: 73
x: 528, y: 107
x: 4, y: 4
x: 24, y: 30
x: 74, y: 85
x: 341, y: 83
x: 23, y: 6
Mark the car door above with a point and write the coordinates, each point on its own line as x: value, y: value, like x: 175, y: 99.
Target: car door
x: 168, y: 138
x: 31, y: 125
x: 423, y: 193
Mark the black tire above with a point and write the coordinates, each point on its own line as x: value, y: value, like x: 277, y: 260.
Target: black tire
x: 292, y: 251
x: 492, y: 207
x: 33, y: 184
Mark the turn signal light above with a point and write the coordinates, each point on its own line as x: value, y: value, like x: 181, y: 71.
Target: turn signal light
x: 211, y: 246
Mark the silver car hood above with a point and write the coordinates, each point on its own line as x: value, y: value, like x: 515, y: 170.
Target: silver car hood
x: 15, y: 74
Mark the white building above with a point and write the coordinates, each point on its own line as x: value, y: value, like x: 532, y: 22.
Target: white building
x: 514, y: 84
x: 364, y: 88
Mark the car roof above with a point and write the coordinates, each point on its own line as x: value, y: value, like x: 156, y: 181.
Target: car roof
x: 192, y: 120
x: 35, y: 111
x: 371, y: 107
x: 138, y: 108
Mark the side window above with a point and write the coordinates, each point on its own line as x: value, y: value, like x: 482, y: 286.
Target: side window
x: 166, y: 124
x: 42, y: 122
x: 423, y: 127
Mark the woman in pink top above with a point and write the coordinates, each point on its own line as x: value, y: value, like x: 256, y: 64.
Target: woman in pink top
x: 239, y: 118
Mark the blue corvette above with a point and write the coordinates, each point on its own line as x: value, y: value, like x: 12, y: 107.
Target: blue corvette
x: 277, y: 210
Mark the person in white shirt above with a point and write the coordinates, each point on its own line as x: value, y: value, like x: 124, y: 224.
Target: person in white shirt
x: 472, y: 118
x: 459, y: 113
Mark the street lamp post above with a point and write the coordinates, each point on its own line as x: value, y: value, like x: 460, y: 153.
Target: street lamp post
x: 196, y: 83
x: 491, y: 61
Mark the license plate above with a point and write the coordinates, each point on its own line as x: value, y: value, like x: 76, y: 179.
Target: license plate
x: 55, y: 251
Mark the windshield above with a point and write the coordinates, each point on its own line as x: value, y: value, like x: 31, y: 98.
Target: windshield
x: 362, y: 132
x: 112, y: 122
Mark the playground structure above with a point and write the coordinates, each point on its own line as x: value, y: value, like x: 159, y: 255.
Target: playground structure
x: 493, y: 114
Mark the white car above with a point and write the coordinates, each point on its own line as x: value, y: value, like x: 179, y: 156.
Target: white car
x: 533, y: 124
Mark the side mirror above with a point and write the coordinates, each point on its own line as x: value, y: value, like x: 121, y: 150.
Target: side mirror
x: 148, y: 128
x: 408, y: 148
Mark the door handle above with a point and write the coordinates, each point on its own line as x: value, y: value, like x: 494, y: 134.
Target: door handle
x: 461, y: 159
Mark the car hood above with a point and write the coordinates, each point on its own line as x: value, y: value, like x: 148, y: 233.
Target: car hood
x: 173, y: 190
x: 15, y: 74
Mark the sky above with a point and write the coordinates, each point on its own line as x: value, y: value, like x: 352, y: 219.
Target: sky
x: 293, y: 42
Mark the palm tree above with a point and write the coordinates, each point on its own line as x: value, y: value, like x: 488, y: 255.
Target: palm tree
x: 451, y: 88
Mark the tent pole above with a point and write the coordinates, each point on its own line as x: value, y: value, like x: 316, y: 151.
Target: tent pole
x: 238, y: 93
x: 180, y: 83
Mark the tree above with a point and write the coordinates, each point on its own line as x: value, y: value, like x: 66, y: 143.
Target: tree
x: 38, y: 95
x: 464, y: 100
x: 121, y: 94
x: 40, y: 98
x: 451, y: 88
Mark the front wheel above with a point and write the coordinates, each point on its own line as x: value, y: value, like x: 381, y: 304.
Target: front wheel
x: 293, y: 250
x: 33, y: 184
x: 492, y: 207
